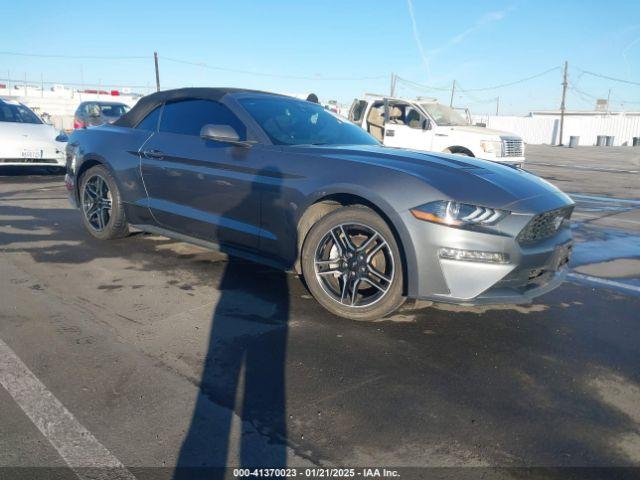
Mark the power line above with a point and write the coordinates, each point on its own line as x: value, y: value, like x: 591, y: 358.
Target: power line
x: 76, y: 57
x: 69, y: 84
x: 266, y: 74
x: 522, y: 80
x: 482, y: 89
x: 606, y: 77
x: 196, y: 64
x: 587, y: 97
x: 420, y: 86
x: 473, y: 97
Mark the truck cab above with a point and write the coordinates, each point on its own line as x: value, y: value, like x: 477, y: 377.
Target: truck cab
x: 425, y: 124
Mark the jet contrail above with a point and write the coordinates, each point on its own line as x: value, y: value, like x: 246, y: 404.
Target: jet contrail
x: 416, y: 36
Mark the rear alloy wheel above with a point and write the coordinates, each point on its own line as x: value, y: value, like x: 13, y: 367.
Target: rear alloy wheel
x: 102, y: 210
x: 352, y: 264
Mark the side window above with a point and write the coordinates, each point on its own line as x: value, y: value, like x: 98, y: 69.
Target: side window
x: 150, y: 122
x: 415, y: 119
x: 357, y: 110
x: 397, y: 112
x: 187, y: 117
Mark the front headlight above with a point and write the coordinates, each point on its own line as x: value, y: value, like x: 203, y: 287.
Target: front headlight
x: 491, y: 146
x: 455, y: 214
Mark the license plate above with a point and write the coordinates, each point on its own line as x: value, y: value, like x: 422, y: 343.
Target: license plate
x: 32, y: 154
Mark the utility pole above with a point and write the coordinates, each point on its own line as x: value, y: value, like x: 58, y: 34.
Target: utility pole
x: 81, y: 82
x: 155, y: 59
x: 497, y: 105
x: 608, y: 99
x: 564, y: 96
x: 392, y: 91
x: 453, y: 90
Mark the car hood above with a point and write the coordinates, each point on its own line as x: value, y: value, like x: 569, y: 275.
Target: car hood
x: 483, y: 131
x: 464, y: 179
x: 28, y: 131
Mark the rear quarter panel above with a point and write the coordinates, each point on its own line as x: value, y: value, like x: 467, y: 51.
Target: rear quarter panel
x: 117, y: 149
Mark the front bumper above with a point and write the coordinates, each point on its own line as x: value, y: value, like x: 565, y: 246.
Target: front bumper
x: 48, y: 156
x: 33, y: 162
x: 70, y: 184
x: 531, y: 270
x: 512, y: 161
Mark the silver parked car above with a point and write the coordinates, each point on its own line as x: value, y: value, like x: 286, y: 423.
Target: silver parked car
x: 91, y: 114
x: 284, y: 182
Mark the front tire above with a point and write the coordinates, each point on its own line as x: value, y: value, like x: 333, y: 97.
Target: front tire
x: 101, y: 204
x: 352, y: 265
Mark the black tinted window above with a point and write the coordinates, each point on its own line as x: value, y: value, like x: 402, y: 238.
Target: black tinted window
x: 294, y: 122
x: 14, y: 112
x: 150, y: 122
x: 187, y: 117
x: 113, y: 110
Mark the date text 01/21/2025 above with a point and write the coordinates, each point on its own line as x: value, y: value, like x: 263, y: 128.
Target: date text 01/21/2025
x: 315, y: 473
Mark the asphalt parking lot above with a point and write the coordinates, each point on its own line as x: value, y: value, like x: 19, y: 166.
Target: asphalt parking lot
x: 154, y: 350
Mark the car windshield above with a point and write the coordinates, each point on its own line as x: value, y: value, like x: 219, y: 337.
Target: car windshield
x: 296, y: 122
x: 110, y: 110
x: 443, y: 115
x: 14, y: 112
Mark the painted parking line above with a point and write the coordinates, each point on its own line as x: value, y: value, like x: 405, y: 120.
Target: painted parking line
x: 584, y: 167
x: 599, y: 199
x: 604, y: 282
x: 75, y: 444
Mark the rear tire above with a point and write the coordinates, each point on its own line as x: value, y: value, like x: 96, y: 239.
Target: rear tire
x: 101, y: 204
x: 352, y: 266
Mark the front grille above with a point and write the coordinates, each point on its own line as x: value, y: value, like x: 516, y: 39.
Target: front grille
x: 544, y: 225
x: 512, y: 147
x: 27, y: 160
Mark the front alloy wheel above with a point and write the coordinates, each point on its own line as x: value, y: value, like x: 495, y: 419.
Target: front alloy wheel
x: 352, y: 265
x: 102, y: 210
x: 96, y: 202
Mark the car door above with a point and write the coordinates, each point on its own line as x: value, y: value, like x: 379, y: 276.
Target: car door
x: 201, y: 187
x: 407, y: 127
x: 357, y: 111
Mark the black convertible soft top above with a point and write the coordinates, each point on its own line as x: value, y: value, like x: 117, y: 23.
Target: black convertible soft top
x: 148, y: 103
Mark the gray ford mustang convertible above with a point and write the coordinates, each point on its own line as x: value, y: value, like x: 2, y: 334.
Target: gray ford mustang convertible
x: 284, y: 182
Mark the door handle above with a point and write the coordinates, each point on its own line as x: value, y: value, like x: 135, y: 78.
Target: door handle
x: 152, y: 154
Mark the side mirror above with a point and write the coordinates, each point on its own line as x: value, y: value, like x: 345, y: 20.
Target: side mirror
x: 222, y: 133
x: 62, y: 137
x: 426, y: 125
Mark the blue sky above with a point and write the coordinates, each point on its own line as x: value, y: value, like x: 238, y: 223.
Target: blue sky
x: 343, y: 48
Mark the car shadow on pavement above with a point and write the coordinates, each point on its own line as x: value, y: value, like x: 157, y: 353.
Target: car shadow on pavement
x: 30, y: 171
x: 554, y: 384
x: 244, y: 368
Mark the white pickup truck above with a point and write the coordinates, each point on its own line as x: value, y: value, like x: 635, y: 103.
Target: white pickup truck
x: 430, y: 126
